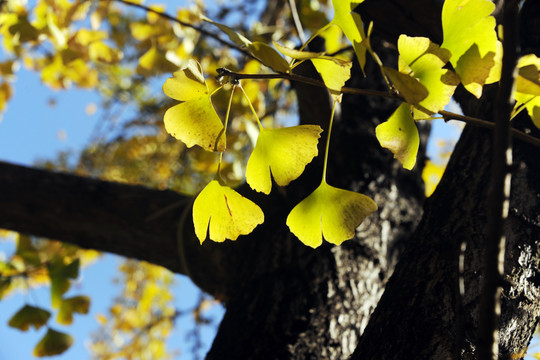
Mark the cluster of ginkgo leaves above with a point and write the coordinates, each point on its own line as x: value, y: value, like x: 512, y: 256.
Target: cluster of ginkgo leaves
x: 423, y: 81
x: 42, y: 262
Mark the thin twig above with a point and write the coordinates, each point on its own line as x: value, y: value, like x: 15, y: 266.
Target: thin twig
x: 498, y: 201
x: 200, y: 29
x: 447, y: 115
x: 297, y: 22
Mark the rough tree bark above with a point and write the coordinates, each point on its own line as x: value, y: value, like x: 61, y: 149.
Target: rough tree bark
x: 287, y: 301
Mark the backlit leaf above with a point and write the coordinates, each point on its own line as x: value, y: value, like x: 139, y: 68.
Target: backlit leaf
x: 410, y: 88
x: 400, y: 135
x: 469, y: 35
x: 29, y: 316
x: 224, y: 213
x: 53, y: 343
x: 352, y: 26
x: 334, y: 72
x: 60, y: 274
x: 528, y: 86
x: 282, y: 152
x: 266, y: 54
x: 431, y: 174
x: 331, y: 213
x: 154, y: 62
x: 297, y: 54
x: 269, y: 56
x: 195, y: 122
x: 76, y: 304
x: 186, y: 84
x: 98, y: 51
x: 424, y: 60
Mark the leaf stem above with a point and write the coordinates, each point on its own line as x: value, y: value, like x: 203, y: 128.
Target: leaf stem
x: 225, y: 129
x: 251, y: 106
x: 325, y: 164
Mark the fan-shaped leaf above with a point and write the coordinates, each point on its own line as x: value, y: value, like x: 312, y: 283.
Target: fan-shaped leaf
x: 196, y: 122
x: 224, y: 212
x: 76, y: 304
x: 423, y: 60
x: 284, y: 153
x: 469, y: 35
x: 400, y: 135
x: 528, y: 86
x: 331, y: 213
x: 29, y: 316
x: 334, y: 72
x: 53, y: 343
x: 352, y: 26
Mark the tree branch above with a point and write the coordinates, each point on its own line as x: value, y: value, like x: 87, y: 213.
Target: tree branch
x: 183, y: 23
x: 447, y: 115
x: 128, y: 220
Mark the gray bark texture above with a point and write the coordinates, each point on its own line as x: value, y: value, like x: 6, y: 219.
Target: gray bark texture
x: 392, y: 292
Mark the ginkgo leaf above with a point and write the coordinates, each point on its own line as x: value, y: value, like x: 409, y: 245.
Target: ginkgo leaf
x: 195, y: 122
x: 154, y: 62
x: 98, y: 51
x: 29, y: 316
x: 187, y: 83
x: 400, y: 135
x: 269, y: 56
x: 410, y: 88
x: 60, y: 274
x: 331, y: 213
x: 469, y: 35
x: 431, y: 174
x: 297, y: 54
x: 334, y: 73
x: 224, y: 213
x: 528, y: 86
x: 53, y: 343
x: 283, y: 152
x: 424, y: 60
x: 352, y: 26
x: 235, y: 37
x: 76, y: 304
x: 263, y: 52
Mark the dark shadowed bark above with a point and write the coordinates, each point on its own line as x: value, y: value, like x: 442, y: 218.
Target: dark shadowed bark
x: 287, y: 301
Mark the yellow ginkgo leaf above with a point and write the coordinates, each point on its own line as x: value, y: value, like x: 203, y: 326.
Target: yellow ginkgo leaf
x: 195, y: 122
x: 269, y: 56
x: 29, y: 316
x: 352, y: 26
x: 528, y: 86
x: 400, y: 135
x: 297, y: 54
x: 283, y: 152
x: 76, y: 304
x: 53, y: 343
x: 99, y: 51
x: 154, y: 62
x: 334, y: 72
x: 224, y: 213
x: 187, y: 83
x: 331, y: 213
x: 424, y: 61
x: 410, y: 88
x: 469, y: 35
